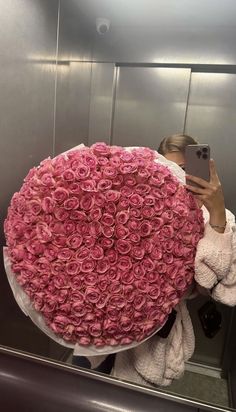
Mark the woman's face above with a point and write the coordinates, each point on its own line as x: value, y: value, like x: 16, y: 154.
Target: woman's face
x: 176, y: 157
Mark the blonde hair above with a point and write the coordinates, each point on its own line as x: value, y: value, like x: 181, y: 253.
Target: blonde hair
x: 175, y: 143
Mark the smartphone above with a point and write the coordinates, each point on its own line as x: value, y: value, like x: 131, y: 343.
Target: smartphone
x: 197, y: 158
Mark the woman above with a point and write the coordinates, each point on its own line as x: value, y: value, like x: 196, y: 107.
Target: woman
x: 159, y: 360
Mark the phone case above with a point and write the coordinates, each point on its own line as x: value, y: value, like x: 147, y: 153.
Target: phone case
x: 197, y: 159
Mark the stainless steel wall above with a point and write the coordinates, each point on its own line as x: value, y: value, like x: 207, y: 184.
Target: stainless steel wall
x: 150, y: 103
x: 28, y: 38
x: 44, y: 109
x: 211, y: 117
x: 165, y: 31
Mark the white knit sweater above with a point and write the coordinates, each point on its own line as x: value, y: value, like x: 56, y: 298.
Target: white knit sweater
x: 158, y: 361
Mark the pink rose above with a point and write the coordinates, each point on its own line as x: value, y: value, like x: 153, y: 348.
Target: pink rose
x: 90, y: 279
x: 43, y: 264
x: 77, y: 215
x: 149, y: 200
x: 44, y: 234
x: 110, y: 208
x: 109, y: 172
x: 124, y: 263
x: 87, y: 265
x: 148, y: 264
x: 118, y: 181
x: 126, y: 191
x: 139, y: 302
x: 60, y: 195
x: 148, y: 212
x: 156, y: 253
x: 142, y: 189
x: 107, y: 219
x: 104, y: 184
x: 101, y: 149
x: 117, y: 301
x: 35, y: 207
x: 68, y: 175
x: 69, y: 226
x: 89, y: 160
x: 61, y: 214
x: 134, y: 225
x: 92, y: 295
x: 82, y: 172
x: 106, y: 243
x: 127, y: 168
x: 82, y: 254
x: 74, y: 241
x: 95, y: 329
x: 123, y: 246
x: 167, y: 231
x: 136, y: 200
x: 95, y: 228
x: 134, y: 238
x: 154, y: 292
x: 122, y: 217
x: 112, y: 256
x: 108, y: 231
x: 73, y: 267
x: 87, y: 202
x: 136, y: 213
x: 126, y: 325
x: 95, y: 213
x: 137, y: 252
x: 123, y: 204
x: 130, y: 180
x: 121, y: 232
x: 145, y: 228
x: 127, y: 278
x: 143, y: 173
x: 84, y: 341
x: 99, y: 199
x: 71, y: 203
x: 103, y: 265
x: 142, y: 285
x: 89, y: 241
x: 97, y: 253
x: 101, y: 304
x: 88, y: 185
x: 51, y: 252
x: 112, y: 196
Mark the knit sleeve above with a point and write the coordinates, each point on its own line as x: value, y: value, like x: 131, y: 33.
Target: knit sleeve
x: 215, y: 262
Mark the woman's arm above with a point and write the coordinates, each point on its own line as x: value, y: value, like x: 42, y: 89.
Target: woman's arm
x: 215, y: 262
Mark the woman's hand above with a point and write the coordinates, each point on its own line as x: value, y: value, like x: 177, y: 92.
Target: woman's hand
x: 212, y: 197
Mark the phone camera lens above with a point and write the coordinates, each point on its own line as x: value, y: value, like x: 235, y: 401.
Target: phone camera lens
x: 199, y: 153
x: 204, y: 156
x: 205, y: 150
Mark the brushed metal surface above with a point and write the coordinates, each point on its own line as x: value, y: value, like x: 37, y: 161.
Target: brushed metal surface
x: 101, y: 100
x: 150, y: 104
x: 28, y: 33
x: 72, y: 105
x: 211, y: 118
x: 27, y: 38
x: 187, y: 31
x: 39, y: 385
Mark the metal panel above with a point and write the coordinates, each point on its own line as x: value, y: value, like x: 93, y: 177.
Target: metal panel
x: 72, y: 109
x: 164, y: 31
x: 42, y: 386
x: 150, y: 104
x: 211, y: 117
x: 101, y: 102
x: 73, y: 77
x: 28, y: 34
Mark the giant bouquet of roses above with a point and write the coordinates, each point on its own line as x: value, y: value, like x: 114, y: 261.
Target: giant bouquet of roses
x: 102, y: 241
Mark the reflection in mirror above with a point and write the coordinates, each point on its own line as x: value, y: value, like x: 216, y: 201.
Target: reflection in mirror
x: 147, y: 70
